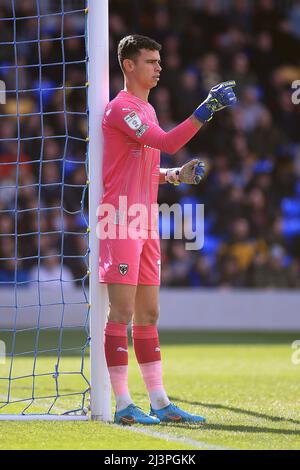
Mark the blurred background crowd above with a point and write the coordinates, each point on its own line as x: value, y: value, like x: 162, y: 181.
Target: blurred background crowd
x: 251, y: 193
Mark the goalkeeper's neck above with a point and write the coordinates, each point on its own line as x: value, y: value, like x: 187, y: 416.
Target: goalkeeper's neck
x: 136, y: 89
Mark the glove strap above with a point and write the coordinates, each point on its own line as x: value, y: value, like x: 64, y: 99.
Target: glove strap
x: 203, y: 113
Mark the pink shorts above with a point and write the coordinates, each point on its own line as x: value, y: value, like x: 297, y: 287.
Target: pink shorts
x: 130, y: 261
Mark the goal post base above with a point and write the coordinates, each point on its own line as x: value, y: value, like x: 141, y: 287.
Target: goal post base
x: 104, y: 419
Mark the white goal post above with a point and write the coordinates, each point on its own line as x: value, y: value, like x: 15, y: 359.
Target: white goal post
x: 98, y: 93
x: 96, y: 37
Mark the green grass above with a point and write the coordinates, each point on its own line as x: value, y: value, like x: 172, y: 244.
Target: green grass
x: 244, y: 383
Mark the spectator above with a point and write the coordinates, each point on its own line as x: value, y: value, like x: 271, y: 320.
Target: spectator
x: 52, y: 271
x: 202, y: 274
x: 180, y: 264
x: 270, y: 270
x: 240, y: 246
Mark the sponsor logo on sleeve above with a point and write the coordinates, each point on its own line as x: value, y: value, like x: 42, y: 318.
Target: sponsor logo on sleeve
x: 133, y: 120
x: 141, y: 130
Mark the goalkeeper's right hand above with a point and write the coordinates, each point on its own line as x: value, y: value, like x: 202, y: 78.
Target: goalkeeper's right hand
x: 191, y: 172
x: 219, y: 97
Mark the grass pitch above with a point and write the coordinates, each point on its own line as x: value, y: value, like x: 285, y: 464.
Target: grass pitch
x: 245, y: 384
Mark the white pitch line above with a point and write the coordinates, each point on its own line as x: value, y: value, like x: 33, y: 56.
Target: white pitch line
x: 169, y: 437
x: 161, y: 435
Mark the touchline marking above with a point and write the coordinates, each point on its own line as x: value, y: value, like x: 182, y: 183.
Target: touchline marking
x: 169, y: 437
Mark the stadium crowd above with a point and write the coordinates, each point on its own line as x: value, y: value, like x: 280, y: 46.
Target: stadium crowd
x: 251, y: 193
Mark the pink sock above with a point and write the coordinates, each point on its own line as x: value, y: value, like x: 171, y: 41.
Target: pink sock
x: 116, y: 353
x: 147, y: 351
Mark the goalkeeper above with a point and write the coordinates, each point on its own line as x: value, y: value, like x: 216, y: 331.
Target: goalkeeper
x: 131, y: 267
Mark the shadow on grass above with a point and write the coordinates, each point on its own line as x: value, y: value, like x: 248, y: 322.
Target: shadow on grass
x: 219, y: 406
x: 231, y: 428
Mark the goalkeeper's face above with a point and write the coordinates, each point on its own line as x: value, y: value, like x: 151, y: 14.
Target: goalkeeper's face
x: 146, y: 68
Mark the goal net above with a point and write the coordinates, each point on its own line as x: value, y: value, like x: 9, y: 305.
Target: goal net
x: 44, y: 220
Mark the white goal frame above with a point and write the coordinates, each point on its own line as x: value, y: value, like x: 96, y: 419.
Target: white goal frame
x: 98, y: 96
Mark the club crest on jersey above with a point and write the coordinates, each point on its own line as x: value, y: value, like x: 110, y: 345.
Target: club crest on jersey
x: 133, y: 121
x: 123, y: 269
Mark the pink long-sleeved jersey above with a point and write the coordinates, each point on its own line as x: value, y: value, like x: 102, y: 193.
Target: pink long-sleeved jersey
x: 131, y: 159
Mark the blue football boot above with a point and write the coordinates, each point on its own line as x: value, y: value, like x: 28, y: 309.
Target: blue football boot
x: 173, y: 414
x: 134, y: 415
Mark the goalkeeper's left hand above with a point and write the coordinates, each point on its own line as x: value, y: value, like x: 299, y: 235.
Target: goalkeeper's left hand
x: 219, y: 97
x: 191, y: 172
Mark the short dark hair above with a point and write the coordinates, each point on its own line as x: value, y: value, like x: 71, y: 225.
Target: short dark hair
x: 129, y: 47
